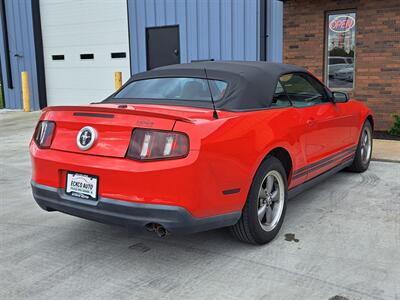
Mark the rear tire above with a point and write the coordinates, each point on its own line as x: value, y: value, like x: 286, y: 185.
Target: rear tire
x: 265, y: 207
x: 363, y: 155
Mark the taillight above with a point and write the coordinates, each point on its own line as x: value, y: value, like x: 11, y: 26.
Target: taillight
x: 44, y: 133
x: 148, y: 144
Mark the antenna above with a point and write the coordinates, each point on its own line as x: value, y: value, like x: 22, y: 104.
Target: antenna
x: 215, y: 114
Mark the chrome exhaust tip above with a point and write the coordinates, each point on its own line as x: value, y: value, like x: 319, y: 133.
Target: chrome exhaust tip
x: 150, y: 227
x: 158, y: 229
x: 161, y: 231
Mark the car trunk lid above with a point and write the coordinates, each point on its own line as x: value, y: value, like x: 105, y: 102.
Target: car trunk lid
x: 113, y: 123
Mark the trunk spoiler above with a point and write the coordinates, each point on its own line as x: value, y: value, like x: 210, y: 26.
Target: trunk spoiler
x: 128, y: 111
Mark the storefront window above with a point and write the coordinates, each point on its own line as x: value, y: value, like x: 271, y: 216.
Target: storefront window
x: 341, y: 44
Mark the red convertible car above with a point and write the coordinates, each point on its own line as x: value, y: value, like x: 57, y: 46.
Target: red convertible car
x: 193, y: 147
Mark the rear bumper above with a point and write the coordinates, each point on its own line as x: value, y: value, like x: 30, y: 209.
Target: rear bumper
x: 196, y: 182
x: 175, y: 219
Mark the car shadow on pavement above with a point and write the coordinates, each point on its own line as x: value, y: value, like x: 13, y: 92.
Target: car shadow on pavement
x: 139, y: 240
x: 306, y: 211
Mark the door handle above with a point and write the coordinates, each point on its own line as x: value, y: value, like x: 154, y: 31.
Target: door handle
x: 176, y: 52
x: 310, y: 122
x: 18, y: 55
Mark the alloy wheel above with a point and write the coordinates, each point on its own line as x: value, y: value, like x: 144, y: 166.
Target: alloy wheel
x: 271, y: 199
x: 366, y: 145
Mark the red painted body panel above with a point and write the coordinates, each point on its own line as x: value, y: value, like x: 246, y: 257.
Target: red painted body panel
x: 224, y: 153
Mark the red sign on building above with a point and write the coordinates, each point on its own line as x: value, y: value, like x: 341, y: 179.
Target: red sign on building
x: 342, y: 23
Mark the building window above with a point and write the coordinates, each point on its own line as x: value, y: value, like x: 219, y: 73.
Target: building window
x: 118, y: 55
x: 57, y: 57
x: 87, y: 56
x: 341, y: 44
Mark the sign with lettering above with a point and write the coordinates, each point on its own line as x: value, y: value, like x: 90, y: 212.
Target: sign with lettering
x: 342, y: 23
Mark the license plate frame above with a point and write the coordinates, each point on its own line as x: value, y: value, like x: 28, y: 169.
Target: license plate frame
x: 79, y: 190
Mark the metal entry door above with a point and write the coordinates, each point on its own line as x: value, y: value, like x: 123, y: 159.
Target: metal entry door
x: 162, y: 46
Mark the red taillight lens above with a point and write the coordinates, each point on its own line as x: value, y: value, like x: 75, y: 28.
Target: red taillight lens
x: 148, y: 144
x: 44, y: 133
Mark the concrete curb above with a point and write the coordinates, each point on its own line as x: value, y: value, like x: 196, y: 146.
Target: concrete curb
x: 386, y: 150
x: 385, y: 160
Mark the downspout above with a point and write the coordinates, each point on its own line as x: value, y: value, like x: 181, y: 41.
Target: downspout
x: 39, y: 56
x: 6, y: 44
x: 263, y: 30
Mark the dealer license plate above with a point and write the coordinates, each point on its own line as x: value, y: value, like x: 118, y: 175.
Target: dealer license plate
x: 82, y: 186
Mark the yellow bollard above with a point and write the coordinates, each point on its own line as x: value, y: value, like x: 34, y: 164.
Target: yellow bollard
x: 118, y: 80
x: 25, y: 91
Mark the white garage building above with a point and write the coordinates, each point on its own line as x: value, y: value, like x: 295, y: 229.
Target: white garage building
x: 82, y: 47
x: 72, y: 48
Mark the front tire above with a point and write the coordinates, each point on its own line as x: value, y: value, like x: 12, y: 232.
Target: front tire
x: 265, y: 207
x: 363, y: 155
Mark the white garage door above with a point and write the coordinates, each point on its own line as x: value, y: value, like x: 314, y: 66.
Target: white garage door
x: 84, y: 43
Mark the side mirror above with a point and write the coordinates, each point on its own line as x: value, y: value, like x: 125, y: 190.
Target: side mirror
x: 340, y: 97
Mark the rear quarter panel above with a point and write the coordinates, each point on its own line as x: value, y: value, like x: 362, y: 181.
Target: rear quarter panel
x: 232, y: 147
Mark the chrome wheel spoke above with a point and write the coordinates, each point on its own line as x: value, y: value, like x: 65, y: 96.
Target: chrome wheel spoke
x: 275, y: 196
x: 365, y: 139
x: 261, y: 212
x: 268, y: 215
x: 270, y: 184
x: 262, y: 194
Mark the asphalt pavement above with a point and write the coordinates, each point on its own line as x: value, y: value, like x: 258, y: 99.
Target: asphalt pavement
x: 340, y: 240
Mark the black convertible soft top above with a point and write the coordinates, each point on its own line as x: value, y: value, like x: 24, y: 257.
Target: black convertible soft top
x: 251, y: 84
